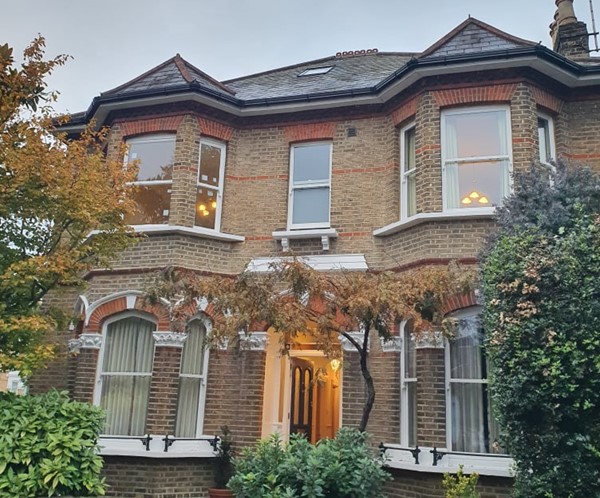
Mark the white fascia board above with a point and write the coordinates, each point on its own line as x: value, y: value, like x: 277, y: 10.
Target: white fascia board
x: 321, y: 262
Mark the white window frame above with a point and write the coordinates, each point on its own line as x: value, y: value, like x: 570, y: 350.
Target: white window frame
x: 551, y: 138
x: 223, y: 147
x: 152, y: 137
x: 404, y: 173
x: 120, y: 316
x: 471, y: 311
x: 203, y: 376
x: 308, y: 185
x: 445, y: 159
x: 404, y: 414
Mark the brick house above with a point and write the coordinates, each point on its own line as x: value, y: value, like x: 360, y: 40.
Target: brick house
x: 362, y: 160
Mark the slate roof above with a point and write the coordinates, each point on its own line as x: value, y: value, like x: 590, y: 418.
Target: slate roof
x: 473, y: 36
x: 348, y: 73
x: 172, y: 73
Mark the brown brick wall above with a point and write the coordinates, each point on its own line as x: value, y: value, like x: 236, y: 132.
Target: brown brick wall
x: 235, y: 394
x: 133, y: 477
x: 408, y: 484
x: 164, y: 386
x: 431, y: 398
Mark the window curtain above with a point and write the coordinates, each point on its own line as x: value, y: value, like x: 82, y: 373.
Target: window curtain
x: 469, y: 417
x: 191, y: 381
x: 451, y: 187
x: 126, y: 374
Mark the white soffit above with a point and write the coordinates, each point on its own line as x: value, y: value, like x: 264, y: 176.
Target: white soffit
x: 321, y: 262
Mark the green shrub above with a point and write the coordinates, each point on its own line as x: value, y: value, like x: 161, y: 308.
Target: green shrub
x: 333, y: 468
x: 541, y: 283
x: 460, y: 485
x: 48, y: 446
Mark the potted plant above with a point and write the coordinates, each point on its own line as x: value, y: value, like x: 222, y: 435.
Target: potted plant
x: 222, y: 465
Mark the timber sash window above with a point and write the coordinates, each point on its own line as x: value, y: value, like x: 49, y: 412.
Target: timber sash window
x: 125, y: 375
x: 476, y: 157
x: 546, y: 139
x: 409, y: 172
x: 209, y: 190
x: 408, y: 384
x: 154, y: 154
x: 310, y: 185
x: 192, y: 382
x: 472, y: 425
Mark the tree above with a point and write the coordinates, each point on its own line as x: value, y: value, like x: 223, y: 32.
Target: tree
x: 292, y: 298
x: 54, y: 192
x: 541, y: 281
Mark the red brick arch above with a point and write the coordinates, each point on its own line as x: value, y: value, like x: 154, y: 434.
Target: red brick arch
x: 460, y: 301
x: 168, y: 124
x: 120, y: 304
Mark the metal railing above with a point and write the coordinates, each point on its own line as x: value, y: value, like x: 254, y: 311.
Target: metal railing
x: 437, y: 455
x: 167, y: 439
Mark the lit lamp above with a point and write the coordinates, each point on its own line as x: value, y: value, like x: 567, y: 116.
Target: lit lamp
x: 335, y: 364
x: 474, y: 197
x: 203, y: 210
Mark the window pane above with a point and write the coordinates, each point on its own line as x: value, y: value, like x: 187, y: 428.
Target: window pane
x: 206, y: 207
x: 152, y: 205
x: 192, y: 360
x: 476, y: 134
x: 155, y: 156
x: 469, y: 418
x: 411, y: 410
x: 187, y: 407
x: 410, y: 356
x: 311, y: 205
x: 128, y: 349
x: 544, y: 140
x: 466, y: 355
x: 210, y: 165
x: 409, y: 164
x: 476, y: 185
x: 311, y: 162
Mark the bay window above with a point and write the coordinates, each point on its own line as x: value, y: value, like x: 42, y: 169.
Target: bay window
x: 476, y: 157
x: 310, y: 185
x: 154, y: 180
x: 408, y: 168
x: 192, y: 382
x: 472, y: 427
x: 209, y: 190
x: 125, y: 374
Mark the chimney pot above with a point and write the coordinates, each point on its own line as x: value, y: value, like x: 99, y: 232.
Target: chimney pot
x: 566, y: 12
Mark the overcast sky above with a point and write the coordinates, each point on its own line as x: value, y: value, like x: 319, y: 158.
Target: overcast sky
x: 113, y: 41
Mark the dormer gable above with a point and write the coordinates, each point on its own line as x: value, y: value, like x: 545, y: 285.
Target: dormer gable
x: 174, y: 72
x: 473, y: 36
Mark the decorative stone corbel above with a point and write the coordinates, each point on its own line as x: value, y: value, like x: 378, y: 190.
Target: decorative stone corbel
x: 90, y: 341
x: 253, y: 341
x: 392, y: 344
x: 358, y: 337
x: 430, y: 340
x: 169, y: 339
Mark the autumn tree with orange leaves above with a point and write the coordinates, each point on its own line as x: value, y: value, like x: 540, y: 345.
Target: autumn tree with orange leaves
x: 292, y: 298
x: 54, y: 192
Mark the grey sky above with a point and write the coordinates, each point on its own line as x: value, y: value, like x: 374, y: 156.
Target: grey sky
x: 112, y: 41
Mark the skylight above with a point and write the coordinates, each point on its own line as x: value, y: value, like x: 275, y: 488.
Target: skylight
x: 312, y: 71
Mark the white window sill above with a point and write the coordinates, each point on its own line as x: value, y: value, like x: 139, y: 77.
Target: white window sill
x: 483, y: 464
x: 193, y: 231
x: 325, y: 234
x: 135, y: 447
x: 319, y: 262
x: 417, y: 219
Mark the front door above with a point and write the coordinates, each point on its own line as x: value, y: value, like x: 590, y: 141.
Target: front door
x: 301, y: 409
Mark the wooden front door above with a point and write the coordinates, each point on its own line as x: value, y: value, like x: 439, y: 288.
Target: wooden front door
x: 301, y: 408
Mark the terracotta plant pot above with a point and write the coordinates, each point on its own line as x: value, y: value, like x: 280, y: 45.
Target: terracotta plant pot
x: 220, y: 493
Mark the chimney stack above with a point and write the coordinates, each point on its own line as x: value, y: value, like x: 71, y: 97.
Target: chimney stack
x: 569, y: 36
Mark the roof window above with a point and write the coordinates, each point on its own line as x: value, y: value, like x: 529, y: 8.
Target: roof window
x: 312, y: 71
